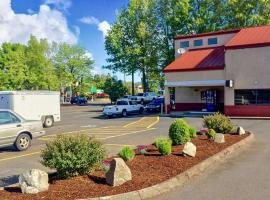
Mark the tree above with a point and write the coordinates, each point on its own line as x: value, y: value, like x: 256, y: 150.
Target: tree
x: 114, y: 88
x: 13, y: 66
x: 72, y: 64
x: 40, y: 73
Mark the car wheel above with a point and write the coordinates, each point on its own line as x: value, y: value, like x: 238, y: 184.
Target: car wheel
x: 110, y: 116
x: 124, y: 113
x: 141, y: 110
x: 23, y: 142
x: 48, y: 122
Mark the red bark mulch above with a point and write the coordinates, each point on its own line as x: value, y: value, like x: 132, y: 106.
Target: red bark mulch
x: 147, y: 170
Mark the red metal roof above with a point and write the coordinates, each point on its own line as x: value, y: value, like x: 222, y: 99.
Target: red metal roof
x: 250, y: 37
x: 207, y: 34
x: 198, y: 59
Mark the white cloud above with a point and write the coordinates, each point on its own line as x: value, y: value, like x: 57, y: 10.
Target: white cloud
x: 46, y: 23
x: 60, y: 4
x: 88, y: 55
x: 89, y: 20
x: 103, y: 26
x: 77, y: 31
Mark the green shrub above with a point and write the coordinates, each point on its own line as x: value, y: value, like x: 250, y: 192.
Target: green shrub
x: 211, y: 134
x: 127, y: 153
x: 179, y: 132
x: 192, y: 132
x: 164, y: 146
x: 220, y: 123
x: 73, y: 155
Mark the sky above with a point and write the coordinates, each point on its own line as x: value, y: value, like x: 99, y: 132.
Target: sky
x: 84, y: 22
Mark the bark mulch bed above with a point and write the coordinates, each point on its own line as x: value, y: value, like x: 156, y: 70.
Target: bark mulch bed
x: 147, y: 170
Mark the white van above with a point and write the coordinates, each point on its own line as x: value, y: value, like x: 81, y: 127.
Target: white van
x: 33, y: 105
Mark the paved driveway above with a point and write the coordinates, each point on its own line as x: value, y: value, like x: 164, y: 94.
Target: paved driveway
x: 245, y: 177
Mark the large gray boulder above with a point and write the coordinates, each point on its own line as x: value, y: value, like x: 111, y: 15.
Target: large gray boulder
x: 34, y: 181
x: 240, y: 130
x: 189, y: 149
x: 219, y: 138
x: 119, y: 173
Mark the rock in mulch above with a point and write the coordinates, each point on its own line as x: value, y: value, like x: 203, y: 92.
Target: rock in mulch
x: 119, y: 173
x: 219, y: 138
x: 34, y: 181
x: 189, y: 149
x: 240, y: 130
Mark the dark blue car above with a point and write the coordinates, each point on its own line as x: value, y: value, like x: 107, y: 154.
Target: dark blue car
x: 155, y: 105
x: 78, y: 100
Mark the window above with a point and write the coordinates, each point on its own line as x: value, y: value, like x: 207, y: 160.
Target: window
x: 252, y: 97
x: 8, y: 118
x: 212, y: 41
x: 198, y: 43
x: 121, y: 103
x: 184, y: 44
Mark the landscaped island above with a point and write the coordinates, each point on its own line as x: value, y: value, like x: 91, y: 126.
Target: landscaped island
x: 151, y: 165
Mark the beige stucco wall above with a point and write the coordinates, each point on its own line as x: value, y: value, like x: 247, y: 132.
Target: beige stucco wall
x: 249, y: 68
x: 222, y: 39
x: 195, y: 75
x: 187, y: 95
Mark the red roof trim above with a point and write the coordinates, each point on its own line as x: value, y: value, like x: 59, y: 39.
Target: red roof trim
x: 207, y: 34
x: 247, y: 46
x: 194, y: 69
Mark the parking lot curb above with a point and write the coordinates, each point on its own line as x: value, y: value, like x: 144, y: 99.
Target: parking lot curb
x: 181, y: 179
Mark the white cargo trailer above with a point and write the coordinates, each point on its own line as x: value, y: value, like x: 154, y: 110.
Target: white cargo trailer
x: 33, y: 105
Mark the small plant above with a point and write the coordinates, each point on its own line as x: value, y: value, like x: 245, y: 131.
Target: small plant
x: 179, y: 132
x: 192, y: 132
x: 106, y: 165
x: 73, y: 155
x: 127, y: 153
x: 141, y: 149
x: 211, y: 134
x: 164, y: 146
x: 220, y: 123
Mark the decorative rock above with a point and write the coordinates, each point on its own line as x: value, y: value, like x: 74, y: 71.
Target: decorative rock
x: 34, y: 181
x: 240, y: 130
x: 189, y: 149
x: 219, y: 138
x: 119, y: 173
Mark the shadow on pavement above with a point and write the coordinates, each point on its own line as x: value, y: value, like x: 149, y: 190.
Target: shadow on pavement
x: 8, y: 180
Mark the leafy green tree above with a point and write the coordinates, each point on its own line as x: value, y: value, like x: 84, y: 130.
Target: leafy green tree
x: 114, y: 88
x: 72, y: 64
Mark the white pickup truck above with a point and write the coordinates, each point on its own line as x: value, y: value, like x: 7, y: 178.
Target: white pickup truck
x: 123, y: 107
x: 143, y: 98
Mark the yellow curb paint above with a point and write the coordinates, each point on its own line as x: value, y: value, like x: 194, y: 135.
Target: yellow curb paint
x: 129, y: 133
x: 20, y: 156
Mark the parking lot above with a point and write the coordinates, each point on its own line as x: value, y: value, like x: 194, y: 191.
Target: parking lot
x: 114, y: 133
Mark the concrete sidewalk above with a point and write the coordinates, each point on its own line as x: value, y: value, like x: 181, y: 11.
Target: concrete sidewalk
x: 245, y: 177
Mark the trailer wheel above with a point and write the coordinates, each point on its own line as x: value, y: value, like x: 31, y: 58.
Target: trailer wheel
x: 23, y: 142
x: 48, y: 122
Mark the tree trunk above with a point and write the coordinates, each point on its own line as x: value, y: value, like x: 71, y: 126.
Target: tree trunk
x: 144, y: 82
x: 132, y: 84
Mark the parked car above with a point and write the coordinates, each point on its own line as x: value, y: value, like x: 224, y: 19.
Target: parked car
x: 155, y: 105
x: 123, y: 107
x: 15, y: 130
x: 143, y: 98
x: 78, y: 100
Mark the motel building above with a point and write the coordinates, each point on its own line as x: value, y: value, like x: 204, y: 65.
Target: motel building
x: 226, y: 71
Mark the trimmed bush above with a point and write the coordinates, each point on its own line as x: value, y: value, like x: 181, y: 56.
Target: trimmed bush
x: 179, y: 132
x: 192, y: 132
x: 211, y: 134
x: 220, y: 123
x: 164, y: 146
x: 73, y: 155
x: 127, y: 153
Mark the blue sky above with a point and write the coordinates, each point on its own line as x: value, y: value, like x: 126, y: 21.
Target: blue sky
x: 74, y: 21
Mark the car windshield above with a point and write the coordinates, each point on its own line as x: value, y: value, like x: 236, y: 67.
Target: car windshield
x: 120, y: 103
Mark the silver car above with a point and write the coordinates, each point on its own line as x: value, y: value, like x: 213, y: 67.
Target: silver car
x: 15, y: 130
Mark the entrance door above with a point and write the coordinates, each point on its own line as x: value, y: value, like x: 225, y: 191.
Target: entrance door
x: 211, y: 100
